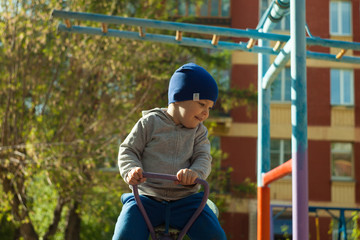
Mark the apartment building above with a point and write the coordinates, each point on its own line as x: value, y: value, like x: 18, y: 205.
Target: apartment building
x: 333, y: 98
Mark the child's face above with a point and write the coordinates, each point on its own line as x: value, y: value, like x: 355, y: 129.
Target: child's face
x: 191, y: 113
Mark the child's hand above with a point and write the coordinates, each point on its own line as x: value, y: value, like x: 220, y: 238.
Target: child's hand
x: 135, y: 176
x: 186, y: 177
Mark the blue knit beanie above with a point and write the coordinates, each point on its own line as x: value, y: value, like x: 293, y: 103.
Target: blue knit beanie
x: 192, y: 82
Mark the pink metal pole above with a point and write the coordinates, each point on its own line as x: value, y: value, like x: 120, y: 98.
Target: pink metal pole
x: 299, y: 143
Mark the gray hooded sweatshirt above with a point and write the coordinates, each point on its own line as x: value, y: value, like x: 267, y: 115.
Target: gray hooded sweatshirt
x: 157, y: 144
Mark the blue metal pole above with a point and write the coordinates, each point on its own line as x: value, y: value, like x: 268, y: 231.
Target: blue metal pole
x: 167, y: 25
x: 342, y: 225
x: 278, y: 64
x: 299, y: 121
x: 264, y: 99
x: 331, y: 57
x: 263, y: 162
x: 198, y: 28
x: 186, y: 41
x: 197, y: 42
x: 263, y: 155
x: 279, y: 9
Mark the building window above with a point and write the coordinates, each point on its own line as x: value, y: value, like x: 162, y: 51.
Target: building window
x: 225, y: 8
x: 281, y: 87
x: 280, y: 151
x: 206, y: 8
x: 342, y: 87
x: 340, y: 18
x: 342, y: 161
x: 186, y: 8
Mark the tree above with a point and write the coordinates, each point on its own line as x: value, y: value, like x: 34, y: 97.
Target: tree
x: 65, y: 102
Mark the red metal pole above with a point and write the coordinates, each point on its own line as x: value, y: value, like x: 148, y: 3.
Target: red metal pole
x: 263, y: 214
x: 263, y: 197
x: 277, y: 173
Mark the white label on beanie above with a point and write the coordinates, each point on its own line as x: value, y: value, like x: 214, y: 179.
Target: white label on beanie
x: 196, y: 96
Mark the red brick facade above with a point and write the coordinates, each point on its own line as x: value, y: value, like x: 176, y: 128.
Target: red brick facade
x: 322, y: 129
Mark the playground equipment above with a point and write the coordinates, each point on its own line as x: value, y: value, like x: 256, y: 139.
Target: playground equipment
x: 165, y: 235
x: 340, y: 217
x: 295, y: 44
x: 181, y: 28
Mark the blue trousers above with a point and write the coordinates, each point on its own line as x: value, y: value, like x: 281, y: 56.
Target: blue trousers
x: 132, y: 226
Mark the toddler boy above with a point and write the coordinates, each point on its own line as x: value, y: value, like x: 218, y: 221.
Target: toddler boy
x: 173, y: 141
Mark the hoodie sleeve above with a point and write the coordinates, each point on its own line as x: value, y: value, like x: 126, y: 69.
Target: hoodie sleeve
x: 201, y: 159
x: 131, y: 149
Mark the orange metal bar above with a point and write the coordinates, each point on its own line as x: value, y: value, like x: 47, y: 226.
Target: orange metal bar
x: 263, y: 198
x: 277, y: 173
x: 263, y: 214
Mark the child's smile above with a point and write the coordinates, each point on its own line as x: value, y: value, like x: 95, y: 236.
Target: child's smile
x: 191, y: 113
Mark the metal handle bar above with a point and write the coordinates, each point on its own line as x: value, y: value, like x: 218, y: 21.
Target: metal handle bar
x: 171, y: 178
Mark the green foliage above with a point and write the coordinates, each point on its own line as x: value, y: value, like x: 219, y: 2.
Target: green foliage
x: 239, y: 97
x: 7, y: 229
x: 284, y: 229
x: 355, y: 220
x: 103, y: 206
x: 219, y: 177
x: 246, y: 189
x: 41, y: 202
x: 66, y: 101
x: 351, y: 223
